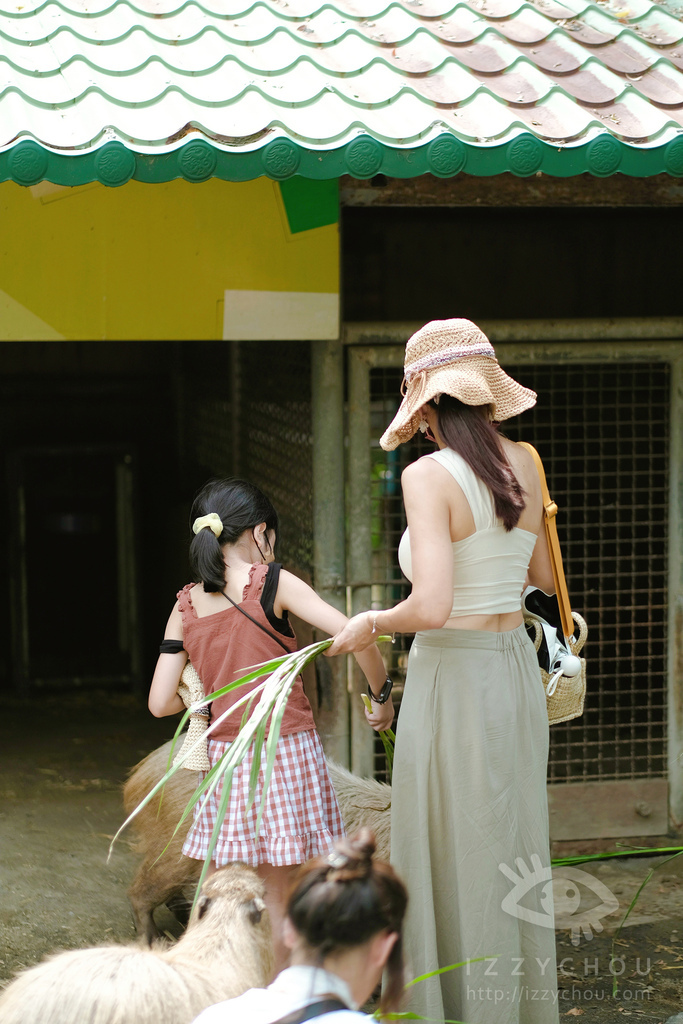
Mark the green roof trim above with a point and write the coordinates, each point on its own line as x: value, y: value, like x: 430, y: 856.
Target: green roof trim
x: 197, y: 160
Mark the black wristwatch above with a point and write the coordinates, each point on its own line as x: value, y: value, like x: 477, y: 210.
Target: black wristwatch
x: 383, y: 693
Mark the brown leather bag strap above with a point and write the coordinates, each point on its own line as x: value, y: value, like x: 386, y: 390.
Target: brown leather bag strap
x: 550, y: 513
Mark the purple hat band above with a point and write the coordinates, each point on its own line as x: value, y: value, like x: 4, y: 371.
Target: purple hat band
x: 448, y: 355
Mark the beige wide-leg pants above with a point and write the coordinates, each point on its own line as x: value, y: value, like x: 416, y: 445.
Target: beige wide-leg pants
x: 469, y: 830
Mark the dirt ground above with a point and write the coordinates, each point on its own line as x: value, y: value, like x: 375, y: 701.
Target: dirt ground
x: 62, y: 763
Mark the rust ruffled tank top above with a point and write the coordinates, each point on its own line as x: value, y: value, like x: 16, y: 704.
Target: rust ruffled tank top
x: 223, y: 645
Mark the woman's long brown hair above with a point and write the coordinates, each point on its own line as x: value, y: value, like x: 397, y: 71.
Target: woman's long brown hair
x: 468, y: 430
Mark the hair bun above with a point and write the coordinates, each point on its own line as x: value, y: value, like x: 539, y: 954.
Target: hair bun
x: 351, y: 857
x: 363, y: 844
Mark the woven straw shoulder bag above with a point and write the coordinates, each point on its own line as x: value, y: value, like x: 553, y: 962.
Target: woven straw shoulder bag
x: 564, y: 698
x: 190, y: 689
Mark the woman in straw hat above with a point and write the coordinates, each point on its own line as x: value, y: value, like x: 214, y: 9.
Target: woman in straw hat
x: 469, y: 807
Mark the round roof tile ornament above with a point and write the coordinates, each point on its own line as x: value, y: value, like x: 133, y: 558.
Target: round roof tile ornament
x: 280, y: 159
x: 525, y: 155
x: 603, y: 156
x: 363, y: 157
x: 446, y: 156
x: 197, y: 160
x: 673, y: 157
x: 28, y: 163
x: 114, y: 164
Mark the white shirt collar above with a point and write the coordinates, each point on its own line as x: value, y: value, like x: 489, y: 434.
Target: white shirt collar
x: 306, y: 981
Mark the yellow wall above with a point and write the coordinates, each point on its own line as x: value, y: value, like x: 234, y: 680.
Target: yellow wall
x: 148, y: 261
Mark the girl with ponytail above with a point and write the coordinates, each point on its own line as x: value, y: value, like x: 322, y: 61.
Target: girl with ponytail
x: 236, y: 614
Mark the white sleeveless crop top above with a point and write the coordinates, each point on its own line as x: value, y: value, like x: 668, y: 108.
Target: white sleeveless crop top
x: 489, y: 566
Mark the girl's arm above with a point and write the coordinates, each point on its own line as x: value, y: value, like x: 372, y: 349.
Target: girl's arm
x: 297, y: 597
x: 428, y: 606
x: 163, y: 693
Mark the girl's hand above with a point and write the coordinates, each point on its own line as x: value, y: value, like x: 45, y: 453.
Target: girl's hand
x: 382, y: 715
x: 355, y: 636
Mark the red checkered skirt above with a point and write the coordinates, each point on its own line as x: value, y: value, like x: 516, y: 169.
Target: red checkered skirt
x: 301, y: 818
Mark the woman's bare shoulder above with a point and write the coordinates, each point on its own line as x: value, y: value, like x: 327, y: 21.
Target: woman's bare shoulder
x: 520, y: 459
x: 516, y: 451
x: 424, y: 468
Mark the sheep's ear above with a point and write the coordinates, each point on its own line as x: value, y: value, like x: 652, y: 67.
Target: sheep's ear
x: 255, y: 909
x: 203, y: 906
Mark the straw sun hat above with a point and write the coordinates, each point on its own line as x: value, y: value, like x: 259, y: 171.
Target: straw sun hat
x: 453, y: 357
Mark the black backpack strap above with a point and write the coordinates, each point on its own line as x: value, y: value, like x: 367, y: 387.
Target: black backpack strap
x: 268, y: 595
x: 270, y: 588
x: 327, y: 1005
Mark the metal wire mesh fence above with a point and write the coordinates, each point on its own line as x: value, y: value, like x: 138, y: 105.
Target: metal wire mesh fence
x: 602, y: 431
x: 245, y: 410
x: 275, y: 440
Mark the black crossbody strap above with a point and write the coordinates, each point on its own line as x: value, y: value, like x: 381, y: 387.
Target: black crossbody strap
x: 327, y: 1005
x: 256, y: 622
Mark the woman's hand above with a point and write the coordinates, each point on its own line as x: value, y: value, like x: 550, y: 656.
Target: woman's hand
x: 356, y: 635
x: 382, y: 715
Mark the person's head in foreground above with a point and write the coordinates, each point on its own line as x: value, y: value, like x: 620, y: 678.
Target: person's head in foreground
x: 345, y: 914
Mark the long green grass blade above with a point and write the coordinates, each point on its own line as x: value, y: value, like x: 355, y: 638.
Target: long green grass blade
x: 407, y: 1015
x: 259, y: 743
x: 631, y: 905
x: 143, y: 803
x: 388, y: 753
x: 276, y: 722
x: 199, y: 799
x: 225, y: 799
x: 285, y: 686
x: 444, y: 970
x: 210, y: 728
x: 634, y: 851
x: 271, y: 754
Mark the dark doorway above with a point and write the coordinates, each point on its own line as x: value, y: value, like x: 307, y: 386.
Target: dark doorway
x: 75, y: 571
x: 93, y: 511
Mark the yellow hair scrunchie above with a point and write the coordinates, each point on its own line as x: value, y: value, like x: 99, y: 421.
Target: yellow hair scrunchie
x: 213, y: 521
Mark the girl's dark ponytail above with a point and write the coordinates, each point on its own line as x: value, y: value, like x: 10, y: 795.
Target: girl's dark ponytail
x: 239, y: 506
x: 206, y: 560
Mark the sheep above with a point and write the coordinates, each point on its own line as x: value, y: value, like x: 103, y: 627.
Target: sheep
x: 165, y: 874
x: 109, y: 985
x: 172, y: 877
x: 364, y: 803
x: 226, y: 949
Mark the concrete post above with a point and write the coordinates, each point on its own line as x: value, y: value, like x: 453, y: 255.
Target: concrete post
x: 360, y: 545
x: 327, y: 387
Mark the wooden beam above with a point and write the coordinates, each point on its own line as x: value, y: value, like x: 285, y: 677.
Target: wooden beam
x: 507, y: 190
x: 618, y: 809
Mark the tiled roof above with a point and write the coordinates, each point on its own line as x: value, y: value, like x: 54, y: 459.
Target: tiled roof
x: 158, y: 89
